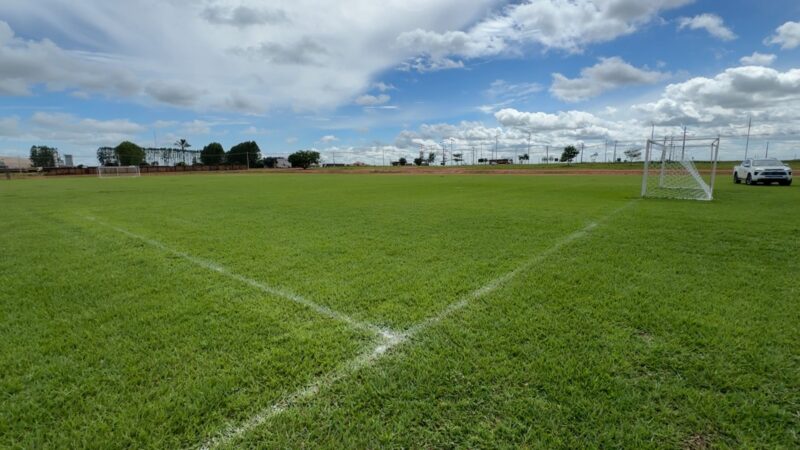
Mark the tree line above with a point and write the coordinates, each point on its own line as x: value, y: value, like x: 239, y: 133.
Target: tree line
x: 245, y: 153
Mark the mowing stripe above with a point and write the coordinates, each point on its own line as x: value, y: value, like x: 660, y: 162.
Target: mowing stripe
x: 388, y: 341
x: 291, y: 296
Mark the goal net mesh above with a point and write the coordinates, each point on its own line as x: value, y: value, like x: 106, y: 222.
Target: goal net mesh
x: 117, y: 171
x: 671, y: 169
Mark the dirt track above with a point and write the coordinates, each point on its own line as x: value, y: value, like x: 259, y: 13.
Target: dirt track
x: 459, y: 171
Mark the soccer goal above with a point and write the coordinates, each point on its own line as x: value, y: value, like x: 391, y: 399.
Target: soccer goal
x: 671, y: 168
x: 117, y: 171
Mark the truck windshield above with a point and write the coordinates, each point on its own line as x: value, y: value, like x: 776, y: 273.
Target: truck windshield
x: 767, y: 162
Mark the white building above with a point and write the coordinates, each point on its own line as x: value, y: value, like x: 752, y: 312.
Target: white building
x: 282, y: 163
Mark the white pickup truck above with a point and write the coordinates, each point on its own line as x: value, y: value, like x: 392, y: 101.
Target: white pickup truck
x: 754, y: 171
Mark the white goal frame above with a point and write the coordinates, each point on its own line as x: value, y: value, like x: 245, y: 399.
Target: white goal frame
x: 118, y: 171
x: 670, y: 172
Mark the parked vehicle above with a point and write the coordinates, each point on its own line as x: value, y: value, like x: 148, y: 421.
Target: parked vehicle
x: 770, y: 170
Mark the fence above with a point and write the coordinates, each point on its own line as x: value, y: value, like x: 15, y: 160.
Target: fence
x: 56, y: 171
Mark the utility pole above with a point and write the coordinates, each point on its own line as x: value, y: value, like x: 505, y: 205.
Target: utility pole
x: 496, y: 139
x: 383, y: 155
x: 581, y: 152
x: 683, y: 147
x: 615, y: 152
x: 547, y: 154
x: 529, y: 147
x: 766, y: 155
x: 473, y: 155
x: 605, y: 151
x: 747, y: 144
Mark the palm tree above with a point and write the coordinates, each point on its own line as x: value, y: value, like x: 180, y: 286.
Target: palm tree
x: 183, y: 144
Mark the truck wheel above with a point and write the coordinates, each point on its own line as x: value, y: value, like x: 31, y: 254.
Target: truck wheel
x: 749, y: 180
x: 786, y: 183
x: 736, y: 179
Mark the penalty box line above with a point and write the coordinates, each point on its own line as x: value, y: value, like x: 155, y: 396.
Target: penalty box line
x: 278, y: 292
x: 387, y: 342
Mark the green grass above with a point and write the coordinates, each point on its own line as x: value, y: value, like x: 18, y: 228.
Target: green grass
x: 668, y: 324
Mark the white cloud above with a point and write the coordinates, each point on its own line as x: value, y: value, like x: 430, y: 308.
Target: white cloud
x: 427, y: 64
x: 551, y: 24
x: 712, y: 23
x: 372, y: 100
x: 504, y: 89
x: 9, y: 126
x: 291, y: 140
x: 195, y: 127
x: 503, y: 94
x: 731, y: 96
x: 216, y: 54
x: 26, y: 63
x: 243, y: 16
x: 758, y: 59
x: 383, y: 87
x: 86, y: 131
x: 256, y: 130
x: 328, y: 139
x: 608, y: 74
x: 786, y: 35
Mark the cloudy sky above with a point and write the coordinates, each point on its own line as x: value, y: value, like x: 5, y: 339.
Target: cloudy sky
x: 359, y: 78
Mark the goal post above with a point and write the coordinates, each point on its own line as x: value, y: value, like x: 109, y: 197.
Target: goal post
x: 670, y: 169
x: 118, y: 171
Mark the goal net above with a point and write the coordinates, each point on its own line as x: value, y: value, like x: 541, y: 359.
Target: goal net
x: 685, y: 169
x: 117, y: 171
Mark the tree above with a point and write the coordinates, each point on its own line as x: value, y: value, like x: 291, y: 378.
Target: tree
x: 212, y: 154
x: 43, y: 156
x: 270, y: 161
x: 304, y: 158
x: 183, y: 144
x: 633, y: 154
x: 431, y: 157
x: 245, y: 153
x: 129, y: 154
x: 106, y: 157
x: 418, y: 161
x: 403, y: 161
x: 524, y: 157
x: 570, y: 152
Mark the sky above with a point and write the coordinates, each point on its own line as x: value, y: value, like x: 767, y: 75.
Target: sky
x: 360, y: 80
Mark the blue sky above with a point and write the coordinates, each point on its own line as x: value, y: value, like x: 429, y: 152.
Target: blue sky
x: 365, y: 79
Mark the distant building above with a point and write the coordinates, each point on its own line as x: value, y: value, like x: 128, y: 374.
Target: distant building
x: 16, y: 162
x: 501, y: 161
x: 282, y: 163
x: 68, y: 161
x: 334, y: 165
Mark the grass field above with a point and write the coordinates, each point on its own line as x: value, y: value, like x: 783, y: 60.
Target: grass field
x: 367, y: 311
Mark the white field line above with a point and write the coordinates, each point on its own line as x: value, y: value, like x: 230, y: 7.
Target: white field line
x: 291, y: 296
x: 389, y: 341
